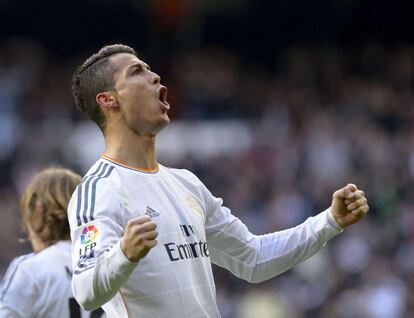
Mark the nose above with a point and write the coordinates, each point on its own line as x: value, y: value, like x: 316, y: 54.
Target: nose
x: 156, y: 78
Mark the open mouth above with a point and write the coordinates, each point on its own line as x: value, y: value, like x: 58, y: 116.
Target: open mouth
x: 162, y: 95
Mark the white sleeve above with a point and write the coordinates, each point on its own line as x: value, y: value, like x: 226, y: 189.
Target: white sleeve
x: 257, y: 258
x: 100, y: 268
x: 18, y: 291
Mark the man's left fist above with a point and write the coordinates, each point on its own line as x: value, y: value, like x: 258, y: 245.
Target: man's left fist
x: 349, y: 205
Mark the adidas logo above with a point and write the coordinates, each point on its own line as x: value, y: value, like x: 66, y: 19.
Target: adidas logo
x: 151, y: 212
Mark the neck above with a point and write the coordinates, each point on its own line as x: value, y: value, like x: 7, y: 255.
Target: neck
x: 37, y: 244
x: 135, y: 151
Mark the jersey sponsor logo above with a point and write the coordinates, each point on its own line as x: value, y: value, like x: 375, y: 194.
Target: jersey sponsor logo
x: 196, y: 249
x: 186, y: 251
x: 151, y: 212
x: 187, y: 230
x: 89, y: 234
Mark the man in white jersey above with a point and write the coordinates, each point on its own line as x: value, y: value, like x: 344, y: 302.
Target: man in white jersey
x: 38, y: 284
x: 144, y: 235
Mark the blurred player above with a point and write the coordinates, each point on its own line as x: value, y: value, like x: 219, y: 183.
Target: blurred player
x: 38, y: 284
x: 144, y: 235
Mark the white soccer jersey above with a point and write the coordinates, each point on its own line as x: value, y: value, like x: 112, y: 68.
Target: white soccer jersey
x: 175, y: 278
x: 38, y: 285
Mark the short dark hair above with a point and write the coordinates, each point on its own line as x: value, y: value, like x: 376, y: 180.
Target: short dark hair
x: 95, y: 75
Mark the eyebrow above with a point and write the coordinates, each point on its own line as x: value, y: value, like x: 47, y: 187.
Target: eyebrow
x: 141, y: 64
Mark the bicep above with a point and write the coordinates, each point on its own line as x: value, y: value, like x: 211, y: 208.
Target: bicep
x: 231, y: 244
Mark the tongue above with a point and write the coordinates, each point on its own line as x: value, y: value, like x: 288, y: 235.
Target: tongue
x: 165, y: 105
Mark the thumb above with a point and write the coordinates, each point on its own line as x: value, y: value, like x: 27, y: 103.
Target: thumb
x: 346, y: 192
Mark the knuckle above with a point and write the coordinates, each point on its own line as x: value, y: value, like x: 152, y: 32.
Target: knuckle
x: 144, y: 219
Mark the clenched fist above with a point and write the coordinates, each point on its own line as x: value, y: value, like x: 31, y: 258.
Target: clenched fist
x: 349, y: 205
x: 139, y: 238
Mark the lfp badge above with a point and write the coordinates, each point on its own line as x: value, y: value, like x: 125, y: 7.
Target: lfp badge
x: 88, y: 235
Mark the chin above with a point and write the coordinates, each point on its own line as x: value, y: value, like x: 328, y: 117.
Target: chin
x: 163, y: 122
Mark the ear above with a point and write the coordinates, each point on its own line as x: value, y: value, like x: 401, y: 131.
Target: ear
x: 107, y: 100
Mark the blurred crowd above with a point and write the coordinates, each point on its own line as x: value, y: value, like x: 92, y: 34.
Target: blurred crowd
x: 316, y: 119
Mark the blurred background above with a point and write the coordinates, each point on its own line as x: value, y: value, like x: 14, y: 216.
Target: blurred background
x: 275, y: 105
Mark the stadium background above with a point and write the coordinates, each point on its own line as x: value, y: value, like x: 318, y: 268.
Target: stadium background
x: 275, y: 105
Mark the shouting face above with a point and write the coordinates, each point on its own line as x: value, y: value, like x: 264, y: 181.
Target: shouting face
x: 141, y: 98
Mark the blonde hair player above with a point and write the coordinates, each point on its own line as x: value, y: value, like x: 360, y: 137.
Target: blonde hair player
x: 144, y: 235
x: 38, y: 284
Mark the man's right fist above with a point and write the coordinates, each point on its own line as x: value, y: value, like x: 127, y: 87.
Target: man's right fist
x: 139, y: 238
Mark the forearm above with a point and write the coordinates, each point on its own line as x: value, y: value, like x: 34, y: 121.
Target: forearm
x: 256, y: 258
x: 280, y: 251
x: 95, y: 284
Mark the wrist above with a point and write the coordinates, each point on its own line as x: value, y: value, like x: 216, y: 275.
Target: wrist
x: 334, y: 221
x: 124, y: 250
